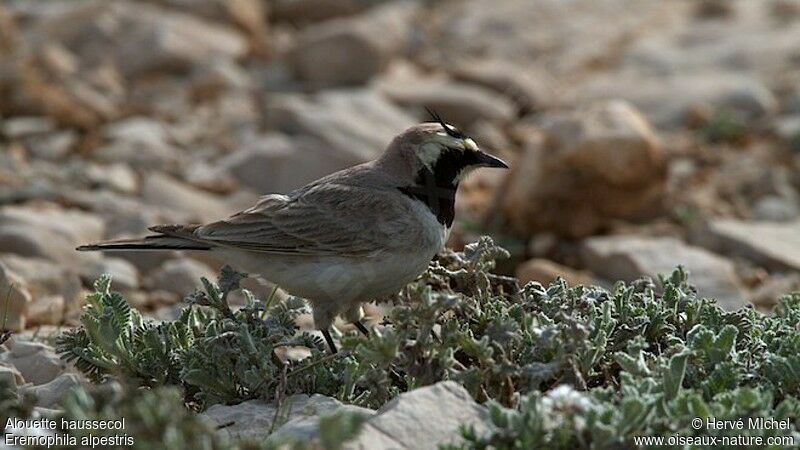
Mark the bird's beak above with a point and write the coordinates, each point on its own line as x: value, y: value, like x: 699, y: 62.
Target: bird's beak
x: 487, y: 160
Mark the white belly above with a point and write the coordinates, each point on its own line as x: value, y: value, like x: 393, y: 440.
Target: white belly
x: 335, y: 284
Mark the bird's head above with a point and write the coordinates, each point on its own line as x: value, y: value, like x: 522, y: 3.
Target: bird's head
x: 442, y: 151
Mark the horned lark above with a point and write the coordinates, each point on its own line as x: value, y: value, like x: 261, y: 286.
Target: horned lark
x: 353, y: 236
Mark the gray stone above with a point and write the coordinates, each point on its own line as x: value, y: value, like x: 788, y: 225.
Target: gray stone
x: 671, y: 101
x: 630, y: 257
x: 776, y: 208
x: 53, y: 145
x: 788, y: 128
x: 55, y: 289
x: 459, y: 103
x: 352, y: 50
x: 11, y: 376
x: 278, y: 163
x: 25, y: 126
x: 306, y: 11
x: 181, y: 276
x: 15, y: 300
x: 51, y: 233
x: 51, y: 394
x: 775, y: 245
x: 767, y: 295
x: 117, y: 176
x: 124, y: 275
x: 298, y: 416
x: 141, y: 142
x: 141, y: 37
x: 529, y: 90
x: 37, y: 362
x: 563, y: 37
x: 357, y: 125
x: 167, y: 192
x: 425, y: 418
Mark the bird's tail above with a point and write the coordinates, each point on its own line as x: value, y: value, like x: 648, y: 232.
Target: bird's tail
x: 170, y: 240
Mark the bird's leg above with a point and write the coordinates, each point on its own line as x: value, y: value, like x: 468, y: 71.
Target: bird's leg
x: 360, y: 327
x: 329, y: 340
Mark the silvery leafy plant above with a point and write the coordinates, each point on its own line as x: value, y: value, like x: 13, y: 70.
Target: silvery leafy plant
x: 558, y: 366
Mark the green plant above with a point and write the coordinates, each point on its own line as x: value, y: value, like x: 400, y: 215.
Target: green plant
x: 657, y: 362
x: 218, y: 356
x: 559, y: 366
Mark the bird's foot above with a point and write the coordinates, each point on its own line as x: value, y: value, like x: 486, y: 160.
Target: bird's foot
x: 360, y: 327
x: 327, y: 335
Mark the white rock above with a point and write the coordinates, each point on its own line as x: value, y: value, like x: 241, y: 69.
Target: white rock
x: 772, y: 244
x: 50, y: 395
x: 625, y: 257
x: 37, y: 362
x: 181, y: 276
x: 254, y: 418
x: 424, y: 418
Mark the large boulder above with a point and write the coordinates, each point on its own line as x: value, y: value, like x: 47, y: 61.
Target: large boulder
x: 255, y: 418
x: 425, y: 418
x: 589, y: 167
x: 775, y: 245
x: 625, y: 257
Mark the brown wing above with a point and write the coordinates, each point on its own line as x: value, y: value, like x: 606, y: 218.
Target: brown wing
x: 326, y: 219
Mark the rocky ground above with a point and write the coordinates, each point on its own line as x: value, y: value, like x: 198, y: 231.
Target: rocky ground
x: 642, y: 135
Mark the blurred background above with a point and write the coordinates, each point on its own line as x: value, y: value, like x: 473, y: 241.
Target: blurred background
x: 642, y: 134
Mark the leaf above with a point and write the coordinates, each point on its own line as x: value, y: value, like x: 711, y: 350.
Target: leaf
x: 673, y: 377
